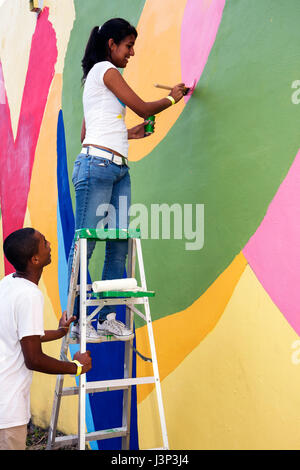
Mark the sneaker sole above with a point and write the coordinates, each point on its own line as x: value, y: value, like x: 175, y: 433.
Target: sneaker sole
x: 88, y: 340
x: 120, y: 338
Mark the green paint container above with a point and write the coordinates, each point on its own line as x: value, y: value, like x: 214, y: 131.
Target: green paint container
x: 148, y: 127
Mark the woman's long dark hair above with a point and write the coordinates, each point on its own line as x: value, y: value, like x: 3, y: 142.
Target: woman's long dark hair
x: 97, y: 48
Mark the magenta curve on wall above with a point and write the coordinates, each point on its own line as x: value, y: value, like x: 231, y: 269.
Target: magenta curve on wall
x: 17, y: 156
x: 199, y: 28
x: 273, y: 252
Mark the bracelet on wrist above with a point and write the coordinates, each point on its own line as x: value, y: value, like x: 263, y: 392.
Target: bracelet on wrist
x: 171, y: 99
x: 79, y: 367
x: 65, y: 329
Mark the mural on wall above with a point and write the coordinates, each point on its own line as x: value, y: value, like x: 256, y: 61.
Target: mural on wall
x: 18, y: 153
x: 225, y: 316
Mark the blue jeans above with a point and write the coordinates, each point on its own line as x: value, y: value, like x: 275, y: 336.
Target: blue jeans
x: 103, y: 196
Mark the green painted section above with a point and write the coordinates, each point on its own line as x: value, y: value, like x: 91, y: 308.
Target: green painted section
x: 230, y: 149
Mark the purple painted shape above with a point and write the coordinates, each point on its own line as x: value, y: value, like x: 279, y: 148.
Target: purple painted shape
x: 199, y: 28
x: 273, y: 252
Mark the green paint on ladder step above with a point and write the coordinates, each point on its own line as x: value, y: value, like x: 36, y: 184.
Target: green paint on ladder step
x: 107, y: 234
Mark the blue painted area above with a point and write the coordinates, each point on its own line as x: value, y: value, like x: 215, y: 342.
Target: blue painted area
x: 64, y: 197
x: 104, y: 410
x: 62, y: 265
x: 65, y: 232
x: 108, y: 363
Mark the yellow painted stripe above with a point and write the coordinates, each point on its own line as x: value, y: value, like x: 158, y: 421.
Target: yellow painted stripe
x: 156, y: 60
x: 42, y: 200
x: 239, y: 388
x: 178, y: 334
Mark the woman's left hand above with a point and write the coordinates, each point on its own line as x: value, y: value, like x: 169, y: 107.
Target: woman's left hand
x: 138, y: 132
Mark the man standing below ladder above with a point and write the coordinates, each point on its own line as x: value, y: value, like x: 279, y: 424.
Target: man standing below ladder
x: 22, y: 332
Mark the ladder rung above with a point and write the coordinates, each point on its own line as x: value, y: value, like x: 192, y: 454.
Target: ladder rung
x: 72, y: 439
x: 109, y: 385
x: 101, y: 339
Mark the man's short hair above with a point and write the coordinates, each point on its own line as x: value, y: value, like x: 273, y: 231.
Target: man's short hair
x: 20, y: 246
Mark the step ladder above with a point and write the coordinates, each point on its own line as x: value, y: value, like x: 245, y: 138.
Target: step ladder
x: 88, y: 298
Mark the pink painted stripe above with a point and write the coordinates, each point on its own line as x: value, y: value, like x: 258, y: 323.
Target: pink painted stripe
x: 273, y: 252
x: 16, y: 158
x: 199, y: 28
x: 2, y: 88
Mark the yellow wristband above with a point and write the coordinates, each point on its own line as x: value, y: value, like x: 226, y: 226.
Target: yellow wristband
x: 171, y: 99
x: 79, y: 367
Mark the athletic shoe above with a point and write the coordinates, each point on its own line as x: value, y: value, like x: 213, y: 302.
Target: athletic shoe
x: 113, y: 327
x: 91, y: 334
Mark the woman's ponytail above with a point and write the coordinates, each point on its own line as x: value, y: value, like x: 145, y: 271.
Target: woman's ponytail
x: 97, y: 49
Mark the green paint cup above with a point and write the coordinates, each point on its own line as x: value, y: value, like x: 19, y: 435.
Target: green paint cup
x: 148, y: 127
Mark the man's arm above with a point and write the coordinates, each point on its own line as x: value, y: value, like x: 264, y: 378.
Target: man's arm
x: 52, y: 335
x: 36, y: 360
x: 62, y: 330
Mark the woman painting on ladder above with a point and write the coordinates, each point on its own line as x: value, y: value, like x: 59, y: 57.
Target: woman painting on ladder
x: 101, y: 174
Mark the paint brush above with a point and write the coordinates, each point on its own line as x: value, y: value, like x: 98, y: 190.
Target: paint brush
x: 187, y: 90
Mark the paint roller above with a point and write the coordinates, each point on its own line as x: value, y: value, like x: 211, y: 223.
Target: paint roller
x: 115, y: 285
x: 187, y: 90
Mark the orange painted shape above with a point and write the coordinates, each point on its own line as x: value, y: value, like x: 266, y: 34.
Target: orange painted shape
x: 42, y: 200
x: 178, y: 334
x: 156, y: 60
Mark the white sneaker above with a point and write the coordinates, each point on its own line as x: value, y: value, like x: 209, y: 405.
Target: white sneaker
x: 91, y: 334
x: 111, y: 326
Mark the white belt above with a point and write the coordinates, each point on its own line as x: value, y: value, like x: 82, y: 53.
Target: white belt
x: 96, y: 152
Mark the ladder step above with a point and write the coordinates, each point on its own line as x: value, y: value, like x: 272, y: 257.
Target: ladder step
x: 101, y: 339
x: 72, y: 439
x: 109, y: 385
x: 123, y: 293
x: 138, y: 292
x: 107, y: 234
x: 117, y: 301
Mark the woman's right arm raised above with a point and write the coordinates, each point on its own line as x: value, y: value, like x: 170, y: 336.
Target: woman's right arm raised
x: 118, y: 86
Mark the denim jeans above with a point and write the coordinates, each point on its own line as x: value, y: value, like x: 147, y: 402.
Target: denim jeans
x: 103, y: 195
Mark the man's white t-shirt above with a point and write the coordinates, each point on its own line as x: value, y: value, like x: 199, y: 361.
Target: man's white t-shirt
x: 21, y: 314
x: 104, y: 113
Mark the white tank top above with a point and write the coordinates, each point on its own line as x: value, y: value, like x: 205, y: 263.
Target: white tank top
x: 104, y: 113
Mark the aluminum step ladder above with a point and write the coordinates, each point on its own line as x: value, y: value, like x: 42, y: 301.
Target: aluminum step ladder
x: 88, y: 298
